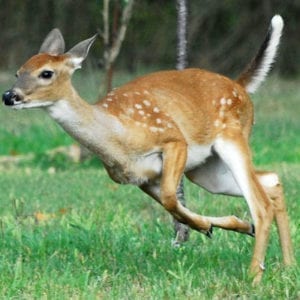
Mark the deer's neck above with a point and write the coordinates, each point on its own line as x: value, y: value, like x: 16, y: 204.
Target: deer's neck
x: 88, y: 124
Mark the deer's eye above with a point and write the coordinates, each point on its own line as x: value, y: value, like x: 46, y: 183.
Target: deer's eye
x: 46, y: 74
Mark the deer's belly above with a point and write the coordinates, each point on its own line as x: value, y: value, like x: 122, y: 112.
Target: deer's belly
x: 197, y: 155
x: 145, y: 168
x: 137, y: 171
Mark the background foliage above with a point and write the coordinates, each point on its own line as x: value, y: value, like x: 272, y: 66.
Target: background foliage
x: 223, y: 35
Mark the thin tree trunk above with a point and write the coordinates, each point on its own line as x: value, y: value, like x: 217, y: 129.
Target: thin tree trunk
x: 181, y: 34
x: 114, y: 38
x: 181, y: 230
x: 110, y: 70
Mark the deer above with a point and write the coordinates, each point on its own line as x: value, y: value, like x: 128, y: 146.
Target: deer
x: 170, y: 124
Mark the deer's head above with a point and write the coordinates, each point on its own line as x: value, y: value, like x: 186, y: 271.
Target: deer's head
x: 41, y: 80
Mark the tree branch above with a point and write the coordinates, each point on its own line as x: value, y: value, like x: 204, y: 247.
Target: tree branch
x: 126, y: 15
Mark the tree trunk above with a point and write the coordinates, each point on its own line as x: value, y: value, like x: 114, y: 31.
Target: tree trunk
x: 181, y: 34
x: 181, y: 230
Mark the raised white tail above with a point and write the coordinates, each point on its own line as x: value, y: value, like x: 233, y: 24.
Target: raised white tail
x: 258, y: 69
x: 157, y: 128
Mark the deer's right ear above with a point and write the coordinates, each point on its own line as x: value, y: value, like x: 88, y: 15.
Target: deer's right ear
x: 54, y: 43
x: 79, y: 52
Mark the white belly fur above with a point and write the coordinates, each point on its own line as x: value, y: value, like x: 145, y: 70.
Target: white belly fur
x: 197, y: 154
x: 152, y: 163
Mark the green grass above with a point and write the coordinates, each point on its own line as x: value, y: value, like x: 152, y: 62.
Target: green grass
x: 68, y: 232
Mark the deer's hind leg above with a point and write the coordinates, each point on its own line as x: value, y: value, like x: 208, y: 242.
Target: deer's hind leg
x: 236, y: 155
x: 273, y: 187
x: 216, y: 177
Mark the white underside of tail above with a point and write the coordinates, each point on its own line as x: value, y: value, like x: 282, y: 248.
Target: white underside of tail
x: 269, y: 56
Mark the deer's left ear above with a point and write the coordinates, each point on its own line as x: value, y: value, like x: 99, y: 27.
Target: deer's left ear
x: 80, y: 51
x: 54, y: 43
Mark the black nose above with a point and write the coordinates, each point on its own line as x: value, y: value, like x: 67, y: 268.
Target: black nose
x: 10, y: 97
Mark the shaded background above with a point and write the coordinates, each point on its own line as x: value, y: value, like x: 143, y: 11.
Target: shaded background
x: 223, y: 35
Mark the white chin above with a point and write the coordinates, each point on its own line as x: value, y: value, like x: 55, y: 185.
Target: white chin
x: 31, y: 105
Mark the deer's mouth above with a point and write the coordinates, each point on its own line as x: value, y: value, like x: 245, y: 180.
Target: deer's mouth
x: 14, y: 100
x: 31, y: 104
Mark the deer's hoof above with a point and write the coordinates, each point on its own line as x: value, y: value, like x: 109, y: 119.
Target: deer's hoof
x: 252, y: 232
x: 209, y: 232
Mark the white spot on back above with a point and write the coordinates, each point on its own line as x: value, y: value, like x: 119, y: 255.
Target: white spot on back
x: 217, y: 123
x: 156, y: 109
x: 229, y: 101
x: 153, y: 129
x: 130, y: 111
x: 105, y: 105
x: 222, y: 101
x: 146, y: 102
x: 221, y: 113
x: 138, y: 106
x: 141, y: 112
x: 109, y: 99
x: 158, y: 121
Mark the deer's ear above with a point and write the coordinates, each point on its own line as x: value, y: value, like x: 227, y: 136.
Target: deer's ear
x: 54, y: 43
x: 80, y: 51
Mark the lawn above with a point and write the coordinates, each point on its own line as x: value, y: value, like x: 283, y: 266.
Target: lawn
x: 69, y: 232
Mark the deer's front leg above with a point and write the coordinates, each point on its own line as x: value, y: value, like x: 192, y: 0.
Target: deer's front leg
x: 181, y: 230
x: 174, y: 159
